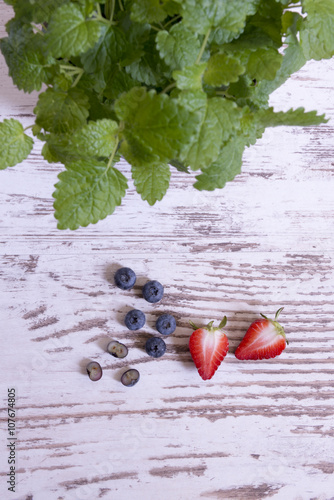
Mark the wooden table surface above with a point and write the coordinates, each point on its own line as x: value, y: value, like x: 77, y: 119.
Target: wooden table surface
x: 257, y: 430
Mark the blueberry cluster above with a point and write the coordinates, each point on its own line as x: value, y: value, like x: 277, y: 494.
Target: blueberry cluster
x: 125, y: 279
x: 153, y: 291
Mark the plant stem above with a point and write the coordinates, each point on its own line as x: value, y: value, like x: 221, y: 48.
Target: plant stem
x: 29, y: 126
x: 74, y: 69
x: 98, y: 8
x: 224, y: 93
x: 205, y: 41
x: 99, y: 16
x: 112, y: 10
x: 172, y: 20
x: 102, y: 20
x: 120, y: 5
x: 112, y: 156
x: 79, y: 75
x: 109, y: 9
x: 168, y: 88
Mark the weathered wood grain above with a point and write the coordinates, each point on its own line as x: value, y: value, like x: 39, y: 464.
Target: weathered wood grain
x: 172, y: 431
x: 257, y: 430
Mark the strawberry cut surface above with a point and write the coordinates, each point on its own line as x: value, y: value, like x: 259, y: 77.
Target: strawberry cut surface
x: 208, y: 347
x: 264, y: 339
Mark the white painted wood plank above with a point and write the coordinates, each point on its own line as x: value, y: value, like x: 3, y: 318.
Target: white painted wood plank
x: 172, y: 431
x: 257, y: 430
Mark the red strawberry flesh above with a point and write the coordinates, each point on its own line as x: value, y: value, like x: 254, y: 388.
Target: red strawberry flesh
x: 208, y: 348
x: 264, y: 339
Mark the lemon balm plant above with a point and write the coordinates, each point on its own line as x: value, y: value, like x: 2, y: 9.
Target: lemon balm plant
x: 165, y: 84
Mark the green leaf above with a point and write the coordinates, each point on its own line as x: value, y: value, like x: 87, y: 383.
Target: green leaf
x: 263, y: 64
x: 151, y: 181
x: 37, y: 11
x: 202, y: 15
x: 268, y: 19
x: 224, y: 169
x: 190, y: 78
x: 207, y: 144
x: 48, y: 155
x: 179, y: 166
x: 36, y: 130
x: 242, y: 89
x: 96, y: 138
x: 293, y: 60
x: 179, y: 47
x: 184, y: 83
x: 70, y: 33
x: 62, y: 82
x: 61, y: 112
x: 223, y: 69
x: 291, y: 22
x: 102, y: 58
x: 117, y: 83
x: 137, y: 35
x: 220, y: 36
x: 87, y: 192
x: 154, y: 124
x: 251, y: 39
x: 150, y: 69
x: 59, y: 148
x: 25, y: 58
x: 148, y: 11
x: 218, y: 119
x: 317, y: 30
x: 99, y: 108
x: 171, y: 7
x: 137, y: 153
x: 15, y: 145
x: 293, y: 117
x: 251, y: 128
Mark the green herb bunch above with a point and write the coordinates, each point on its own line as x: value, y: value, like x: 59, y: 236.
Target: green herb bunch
x: 181, y: 83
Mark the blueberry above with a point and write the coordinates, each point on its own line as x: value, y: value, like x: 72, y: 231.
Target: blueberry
x: 135, y: 319
x: 130, y: 377
x: 155, y: 347
x: 153, y: 291
x: 125, y: 278
x: 166, y: 324
x: 117, y: 349
x: 94, y: 371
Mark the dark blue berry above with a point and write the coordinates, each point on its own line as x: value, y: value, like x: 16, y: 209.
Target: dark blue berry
x: 166, y: 324
x: 130, y: 377
x: 153, y: 291
x: 155, y: 347
x: 125, y: 278
x: 135, y: 319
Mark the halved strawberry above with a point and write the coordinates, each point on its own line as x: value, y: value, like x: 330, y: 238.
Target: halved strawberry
x: 264, y: 339
x: 208, y: 347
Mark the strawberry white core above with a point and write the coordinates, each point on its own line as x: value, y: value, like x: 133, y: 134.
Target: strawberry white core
x: 265, y: 337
